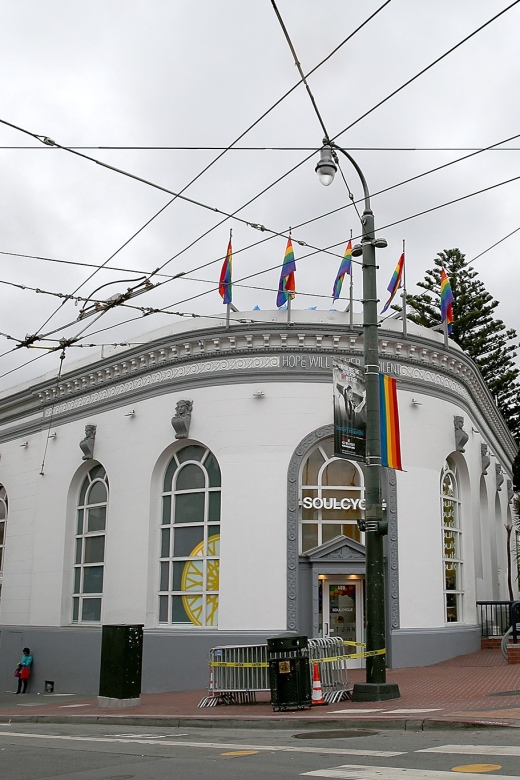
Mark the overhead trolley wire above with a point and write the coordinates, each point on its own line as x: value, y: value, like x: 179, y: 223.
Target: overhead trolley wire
x: 177, y: 195
x: 428, y: 67
x: 49, y: 142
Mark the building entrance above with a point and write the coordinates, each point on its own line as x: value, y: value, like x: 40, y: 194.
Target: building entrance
x: 342, y: 611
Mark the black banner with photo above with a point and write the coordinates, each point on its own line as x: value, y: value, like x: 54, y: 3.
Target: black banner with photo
x: 350, y: 412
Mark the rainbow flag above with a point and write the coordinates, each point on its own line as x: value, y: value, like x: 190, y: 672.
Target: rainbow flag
x: 225, y: 285
x: 344, y: 268
x: 287, y: 284
x: 447, y: 300
x: 395, y: 282
x: 390, y: 435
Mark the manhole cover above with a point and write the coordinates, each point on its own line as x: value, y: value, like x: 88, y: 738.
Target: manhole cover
x: 337, y: 734
x: 505, y: 693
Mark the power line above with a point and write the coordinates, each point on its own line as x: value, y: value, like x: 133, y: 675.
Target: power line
x: 494, y: 245
x: 267, y: 148
x: 170, y: 278
x: 427, y: 68
x: 227, y: 216
x: 48, y: 142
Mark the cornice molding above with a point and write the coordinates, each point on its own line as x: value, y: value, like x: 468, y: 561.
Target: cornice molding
x: 254, y: 350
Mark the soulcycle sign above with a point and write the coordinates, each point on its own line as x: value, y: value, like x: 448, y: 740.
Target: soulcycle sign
x: 333, y: 503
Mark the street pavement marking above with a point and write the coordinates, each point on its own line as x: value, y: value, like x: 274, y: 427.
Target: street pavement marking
x: 68, y: 706
x: 476, y: 750
x: 476, y: 768
x: 351, y: 711
x: 414, y: 712
x: 241, y: 753
x: 216, y: 745
x: 358, y: 772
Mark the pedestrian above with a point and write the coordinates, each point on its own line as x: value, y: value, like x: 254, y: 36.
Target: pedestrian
x: 23, y: 670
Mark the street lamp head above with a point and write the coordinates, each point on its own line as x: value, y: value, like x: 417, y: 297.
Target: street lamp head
x: 326, y: 167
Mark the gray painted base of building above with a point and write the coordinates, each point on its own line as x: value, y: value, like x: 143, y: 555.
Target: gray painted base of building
x: 174, y: 660
x: 110, y: 702
x: 425, y: 646
x: 177, y: 660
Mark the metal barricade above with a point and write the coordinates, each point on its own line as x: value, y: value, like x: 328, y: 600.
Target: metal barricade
x: 238, y: 672
x: 331, y: 655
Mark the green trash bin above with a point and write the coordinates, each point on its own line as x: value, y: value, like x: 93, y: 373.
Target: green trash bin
x: 121, y: 665
x: 289, y: 674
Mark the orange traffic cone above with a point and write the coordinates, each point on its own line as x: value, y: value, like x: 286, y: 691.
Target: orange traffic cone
x: 317, y: 692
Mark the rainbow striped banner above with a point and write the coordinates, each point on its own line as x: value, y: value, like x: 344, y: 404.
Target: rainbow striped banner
x: 287, y: 284
x: 390, y: 434
x: 395, y: 282
x: 225, y: 285
x: 344, y: 268
x: 447, y: 300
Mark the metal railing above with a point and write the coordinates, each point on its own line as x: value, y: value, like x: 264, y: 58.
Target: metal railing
x: 494, y: 618
x: 238, y: 672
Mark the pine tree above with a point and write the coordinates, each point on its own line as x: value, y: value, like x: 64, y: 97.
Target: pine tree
x: 485, y: 339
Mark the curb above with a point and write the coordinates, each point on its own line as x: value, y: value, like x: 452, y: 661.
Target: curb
x: 427, y: 724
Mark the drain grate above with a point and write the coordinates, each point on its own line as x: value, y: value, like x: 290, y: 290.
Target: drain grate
x: 505, y: 693
x: 337, y: 734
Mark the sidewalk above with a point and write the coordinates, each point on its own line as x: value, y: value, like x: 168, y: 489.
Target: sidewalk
x: 480, y: 688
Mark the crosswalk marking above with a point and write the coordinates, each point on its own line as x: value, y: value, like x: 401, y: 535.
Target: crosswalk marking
x: 358, y: 772
x: 211, y: 745
x: 414, y: 712
x: 477, y: 750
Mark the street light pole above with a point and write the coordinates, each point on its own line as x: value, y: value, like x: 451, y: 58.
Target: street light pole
x: 375, y: 688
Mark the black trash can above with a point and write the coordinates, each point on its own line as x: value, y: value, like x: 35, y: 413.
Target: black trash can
x: 121, y: 665
x: 289, y: 675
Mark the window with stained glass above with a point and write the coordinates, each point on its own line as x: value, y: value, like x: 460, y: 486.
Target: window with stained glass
x: 451, y: 544
x: 325, y: 482
x: 190, y: 539
x: 89, y: 548
x: 3, y: 524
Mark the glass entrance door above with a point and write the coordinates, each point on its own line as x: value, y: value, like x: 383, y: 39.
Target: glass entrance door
x: 343, y: 612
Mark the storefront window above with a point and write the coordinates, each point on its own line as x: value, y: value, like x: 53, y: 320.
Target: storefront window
x: 330, y: 498
x: 89, y: 553
x: 452, y: 544
x: 190, y: 539
x: 3, y: 524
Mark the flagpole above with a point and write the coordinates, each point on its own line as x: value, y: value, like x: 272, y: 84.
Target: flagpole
x: 445, y: 330
x: 405, y: 326
x: 351, y: 305
x: 228, y: 305
x: 288, y: 308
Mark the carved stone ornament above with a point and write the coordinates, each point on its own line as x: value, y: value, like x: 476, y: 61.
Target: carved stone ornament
x: 485, y: 459
x: 87, y: 444
x: 182, y: 419
x: 499, y: 476
x: 510, y: 491
x: 461, y: 437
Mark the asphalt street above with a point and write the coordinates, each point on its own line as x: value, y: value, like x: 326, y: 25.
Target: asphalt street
x: 97, y: 752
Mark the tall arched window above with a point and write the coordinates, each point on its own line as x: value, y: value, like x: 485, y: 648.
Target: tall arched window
x: 3, y: 524
x: 89, y: 554
x: 190, y: 539
x: 331, y: 497
x: 452, y: 543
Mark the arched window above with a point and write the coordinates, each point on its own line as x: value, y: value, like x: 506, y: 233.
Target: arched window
x: 3, y: 524
x: 452, y: 543
x: 89, y: 554
x: 190, y: 539
x: 331, y: 497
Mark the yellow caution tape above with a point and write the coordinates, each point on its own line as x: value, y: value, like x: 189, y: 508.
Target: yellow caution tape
x: 354, y: 644
x: 330, y: 659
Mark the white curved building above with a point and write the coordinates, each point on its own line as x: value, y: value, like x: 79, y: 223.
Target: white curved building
x: 247, y: 527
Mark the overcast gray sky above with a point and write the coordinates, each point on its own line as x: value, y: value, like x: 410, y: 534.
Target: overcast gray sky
x: 197, y: 74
